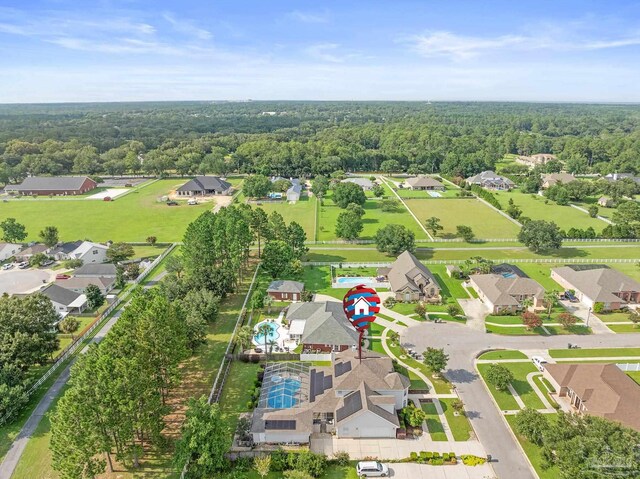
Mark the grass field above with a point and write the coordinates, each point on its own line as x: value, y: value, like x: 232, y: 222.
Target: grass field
x: 436, y: 431
x: 503, y: 354
x: 485, y: 222
x: 374, y: 219
x: 534, y: 207
x: 131, y: 218
x: 593, y: 353
x: 459, y: 424
x: 504, y: 398
x: 624, y: 328
x: 302, y: 212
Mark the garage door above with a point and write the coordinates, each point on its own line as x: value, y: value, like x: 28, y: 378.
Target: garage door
x: 376, y: 432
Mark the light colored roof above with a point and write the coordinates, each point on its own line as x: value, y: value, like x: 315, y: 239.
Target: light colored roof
x: 605, y: 390
x: 296, y: 327
x: 9, y: 245
x: 362, y: 182
x: 87, y: 246
x: 34, y: 249
x: 96, y: 269
x: 407, y: 272
x: 376, y: 370
x: 360, y: 400
x: 325, y: 323
x: 82, y: 282
x: 501, y: 291
x: 598, y: 284
x: 423, y: 182
x: 554, y: 178
x: 205, y: 183
x: 52, y: 183
x: 285, y: 286
x: 489, y: 176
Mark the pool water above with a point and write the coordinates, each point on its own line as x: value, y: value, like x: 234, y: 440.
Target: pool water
x: 508, y: 275
x: 355, y: 280
x: 282, y: 394
x: 259, y: 339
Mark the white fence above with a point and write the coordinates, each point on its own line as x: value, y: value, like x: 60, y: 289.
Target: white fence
x: 462, y: 261
x: 79, y: 341
x: 316, y: 357
x: 477, y: 240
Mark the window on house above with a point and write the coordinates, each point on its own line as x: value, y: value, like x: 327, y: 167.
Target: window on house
x: 95, y: 251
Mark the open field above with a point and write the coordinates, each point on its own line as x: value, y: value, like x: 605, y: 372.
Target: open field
x: 485, y: 222
x: 593, y: 353
x: 374, y: 219
x: 302, y: 212
x: 534, y: 207
x: 131, y: 218
x: 520, y: 384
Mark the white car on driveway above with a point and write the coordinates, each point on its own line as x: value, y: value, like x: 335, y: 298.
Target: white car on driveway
x: 372, y: 469
x: 539, y: 362
x: 7, y: 266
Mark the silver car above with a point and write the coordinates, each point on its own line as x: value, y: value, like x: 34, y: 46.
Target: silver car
x: 372, y: 469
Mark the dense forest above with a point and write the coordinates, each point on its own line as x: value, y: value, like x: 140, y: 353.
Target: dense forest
x: 309, y: 138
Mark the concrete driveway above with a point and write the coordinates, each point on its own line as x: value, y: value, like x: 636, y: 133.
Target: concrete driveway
x: 463, y: 344
x: 21, y: 281
x: 475, y: 311
x: 423, y: 471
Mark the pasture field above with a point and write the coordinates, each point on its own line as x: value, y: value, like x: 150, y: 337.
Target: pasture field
x: 131, y: 218
x: 485, y: 222
x: 374, y: 219
x: 534, y: 207
x: 302, y: 212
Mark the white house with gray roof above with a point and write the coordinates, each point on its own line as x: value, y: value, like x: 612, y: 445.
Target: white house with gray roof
x: 321, y: 327
x: 8, y: 250
x: 352, y: 398
x: 491, y: 181
x: 64, y: 300
x: 364, y: 183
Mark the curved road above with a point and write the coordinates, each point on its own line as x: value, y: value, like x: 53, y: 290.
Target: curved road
x: 463, y: 344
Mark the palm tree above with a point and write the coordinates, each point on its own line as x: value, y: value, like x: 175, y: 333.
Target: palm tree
x: 268, y: 301
x: 272, y: 344
x: 244, y: 335
x: 526, y: 303
x: 265, y: 330
x: 551, y: 299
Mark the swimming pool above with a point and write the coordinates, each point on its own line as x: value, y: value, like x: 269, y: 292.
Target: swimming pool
x: 509, y: 275
x: 434, y: 194
x: 282, y: 394
x: 258, y: 338
x: 352, y: 280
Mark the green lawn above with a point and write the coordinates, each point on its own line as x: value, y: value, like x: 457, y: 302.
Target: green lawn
x: 504, y: 354
x: 624, y: 328
x: 504, y: 399
x: 613, y: 317
x: 332, y: 472
x: 594, y: 353
x: 546, y: 388
x: 148, y: 251
x: 436, y: 431
x: 406, y: 193
x: 373, y: 219
x: 534, y: 207
x: 534, y: 453
x: 459, y: 424
x: 131, y: 218
x: 302, y: 212
x: 550, y: 330
x: 237, y: 391
x: 450, y: 288
x: 635, y: 375
x: 485, y: 222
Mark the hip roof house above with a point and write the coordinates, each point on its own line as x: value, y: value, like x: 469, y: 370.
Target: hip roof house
x: 553, y: 179
x: 502, y: 294
x: 204, y: 185
x: 352, y: 398
x: 598, y: 284
x: 285, y: 290
x: 410, y: 280
x: 491, y: 180
x: 54, y: 185
x: 424, y: 183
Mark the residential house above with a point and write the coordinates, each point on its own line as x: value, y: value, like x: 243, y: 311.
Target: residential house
x: 284, y: 290
x: 621, y: 176
x: 410, y: 280
x: 424, y: 183
x: 553, y: 179
x: 29, y: 251
x: 64, y: 300
x: 53, y: 185
x: 96, y: 270
x: 598, y: 389
x: 61, y: 251
x: 321, y: 327
x: 9, y: 250
x: 491, y: 181
x: 87, y: 251
x: 294, y: 191
x: 79, y: 285
x: 205, y: 186
x: 606, y: 202
x: 351, y: 398
x: 506, y: 294
x: 535, y: 160
x: 364, y: 183
x: 598, y: 284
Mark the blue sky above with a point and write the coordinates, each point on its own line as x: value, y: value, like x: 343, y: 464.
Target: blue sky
x: 102, y: 50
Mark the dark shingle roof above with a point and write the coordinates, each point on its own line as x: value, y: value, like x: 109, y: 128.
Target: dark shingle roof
x: 205, y: 183
x: 285, y: 286
x: 65, y: 248
x: 59, y: 294
x: 61, y: 183
x: 96, y: 269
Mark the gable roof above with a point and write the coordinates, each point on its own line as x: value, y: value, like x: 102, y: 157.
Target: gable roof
x: 360, y: 400
x: 407, y: 272
x: 97, y: 270
x: 65, y: 248
x: 423, y: 182
x: 285, y: 286
x: 490, y: 177
x: 82, y: 282
x: 598, y: 284
x: 325, y: 323
x: 34, y: 249
x: 61, y: 295
x: 53, y: 183
x: 501, y: 291
x: 205, y: 183
x: 605, y: 390
x: 362, y: 182
x: 87, y: 246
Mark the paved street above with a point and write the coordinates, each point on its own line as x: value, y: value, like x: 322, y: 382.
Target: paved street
x: 463, y: 345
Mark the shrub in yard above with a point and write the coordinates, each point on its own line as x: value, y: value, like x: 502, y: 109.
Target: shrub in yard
x: 453, y: 309
x: 297, y: 475
x: 389, y: 302
x: 307, y: 461
x: 279, y: 460
x: 471, y: 460
x: 341, y: 458
x: 531, y: 320
x: 413, y: 456
x: 598, y: 307
x: 437, y: 462
x: 567, y: 320
x: 420, y: 310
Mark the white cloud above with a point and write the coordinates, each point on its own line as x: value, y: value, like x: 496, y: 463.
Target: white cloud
x: 308, y: 17
x: 187, y: 27
x: 460, y: 47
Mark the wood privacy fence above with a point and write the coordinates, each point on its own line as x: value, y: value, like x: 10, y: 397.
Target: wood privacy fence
x: 77, y: 342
